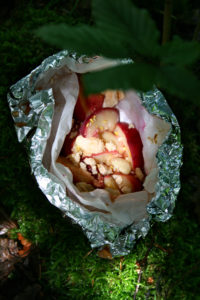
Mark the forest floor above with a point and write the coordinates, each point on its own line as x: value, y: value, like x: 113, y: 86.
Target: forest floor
x: 61, y: 265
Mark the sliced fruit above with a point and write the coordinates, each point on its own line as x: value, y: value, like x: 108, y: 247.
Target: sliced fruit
x: 104, y: 170
x: 84, y: 187
x: 83, y: 166
x: 109, y: 182
x: 74, y: 158
x: 110, y: 146
x: 139, y: 174
x: 121, y: 165
x: 109, y: 137
x: 89, y: 161
x: 113, y: 193
x: 132, y: 144
x: 106, y: 157
x: 112, y: 98
x: 103, y: 119
x: 127, y: 183
x: 95, y: 102
x: 79, y: 175
x: 88, y: 146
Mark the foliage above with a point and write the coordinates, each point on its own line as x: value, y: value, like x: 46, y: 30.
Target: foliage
x: 122, y: 30
x: 68, y: 271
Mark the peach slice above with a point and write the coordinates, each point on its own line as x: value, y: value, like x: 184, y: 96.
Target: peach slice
x: 109, y: 182
x: 112, y: 97
x: 95, y: 102
x: 109, y: 137
x: 121, y: 165
x: 84, y: 187
x: 99, y: 121
x: 113, y: 193
x: 88, y: 146
x: 132, y: 144
x: 139, y: 174
x: 127, y: 183
x: 111, y: 186
x: 74, y: 158
x: 79, y: 174
x: 104, y: 169
x: 106, y: 157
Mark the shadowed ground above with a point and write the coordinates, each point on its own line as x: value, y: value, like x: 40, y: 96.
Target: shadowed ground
x: 61, y: 265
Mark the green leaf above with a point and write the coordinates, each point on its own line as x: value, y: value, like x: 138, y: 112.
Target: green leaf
x: 180, y: 52
x: 138, y: 76
x: 82, y: 39
x: 123, y: 21
x: 180, y: 82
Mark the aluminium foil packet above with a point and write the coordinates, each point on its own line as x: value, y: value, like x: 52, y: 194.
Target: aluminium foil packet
x: 43, y: 117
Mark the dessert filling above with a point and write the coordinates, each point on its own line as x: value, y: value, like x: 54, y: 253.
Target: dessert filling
x: 100, y: 151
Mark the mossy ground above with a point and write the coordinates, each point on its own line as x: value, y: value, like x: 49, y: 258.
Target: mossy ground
x: 169, y: 256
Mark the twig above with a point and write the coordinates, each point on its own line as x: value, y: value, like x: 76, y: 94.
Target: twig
x: 88, y: 253
x: 121, y: 263
x: 167, y: 21
x: 163, y: 249
x: 138, y: 284
x: 142, y: 263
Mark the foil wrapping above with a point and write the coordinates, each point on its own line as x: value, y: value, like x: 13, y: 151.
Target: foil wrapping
x: 32, y: 111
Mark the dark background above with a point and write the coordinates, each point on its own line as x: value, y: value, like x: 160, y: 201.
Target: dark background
x: 58, y: 266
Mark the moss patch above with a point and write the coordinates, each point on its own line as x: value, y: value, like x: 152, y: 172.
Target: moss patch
x: 168, y: 257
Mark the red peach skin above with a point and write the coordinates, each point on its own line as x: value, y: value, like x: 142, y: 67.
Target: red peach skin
x: 95, y: 102
x: 127, y: 183
x: 131, y: 138
x: 99, y: 121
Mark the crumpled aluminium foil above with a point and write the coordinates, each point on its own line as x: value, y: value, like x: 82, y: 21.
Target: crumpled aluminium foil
x: 32, y: 112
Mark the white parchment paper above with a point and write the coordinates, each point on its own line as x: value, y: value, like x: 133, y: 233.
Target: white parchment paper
x: 127, y: 208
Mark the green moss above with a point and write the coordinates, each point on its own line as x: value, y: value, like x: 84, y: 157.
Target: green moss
x: 67, y: 271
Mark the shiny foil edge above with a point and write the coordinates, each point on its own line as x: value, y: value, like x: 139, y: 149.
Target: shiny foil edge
x: 169, y: 158
x: 33, y: 128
